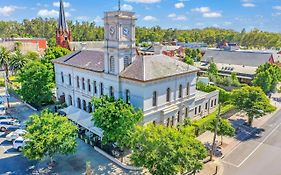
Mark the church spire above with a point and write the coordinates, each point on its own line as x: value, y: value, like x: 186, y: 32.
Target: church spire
x: 62, y: 24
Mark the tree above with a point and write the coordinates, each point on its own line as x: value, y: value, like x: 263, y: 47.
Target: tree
x: 117, y: 119
x: 89, y: 170
x: 36, y: 83
x: 189, y: 60
x: 234, y: 80
x: 49, y: 134
x: 5, y: 57
x: 165, y: 150
x: 213, y: 70
x: 263, y: 80
x: 224, y: 128
x: 18, y: 61
x: 253, y: 101
x: 52, y: 53
x: 33, y: 56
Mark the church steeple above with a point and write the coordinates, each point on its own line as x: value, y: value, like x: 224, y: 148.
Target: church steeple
x: 63, y: 34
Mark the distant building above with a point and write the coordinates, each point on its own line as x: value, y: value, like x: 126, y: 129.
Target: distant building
x: 194, y: 45
x: 25, y: 44
x: 243, y: 63
x: 168, y: 50
x: 63, y: 34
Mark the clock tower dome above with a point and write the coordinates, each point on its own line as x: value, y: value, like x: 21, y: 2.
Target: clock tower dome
x: 120, y: 44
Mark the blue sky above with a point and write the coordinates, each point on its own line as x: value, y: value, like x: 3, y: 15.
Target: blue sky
x: 181, y: 14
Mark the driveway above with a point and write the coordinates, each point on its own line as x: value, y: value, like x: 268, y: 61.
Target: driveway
x: 12, y: 162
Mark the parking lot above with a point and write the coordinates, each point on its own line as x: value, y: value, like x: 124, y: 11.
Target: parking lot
x: 13, y: 162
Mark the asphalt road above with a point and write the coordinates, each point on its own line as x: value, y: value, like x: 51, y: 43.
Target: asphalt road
x: 258, y: 156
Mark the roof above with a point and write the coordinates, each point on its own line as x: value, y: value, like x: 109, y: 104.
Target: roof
x: 148, y: 68
x: 62, y: 24
x: 92, y: 60
x: 253, y: 59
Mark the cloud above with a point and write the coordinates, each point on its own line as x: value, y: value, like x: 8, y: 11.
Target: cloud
x: 7, y: 10
x: 172, y: 15
x: 212, y: 15
x: 127, y: 7
x: 83, y: 18
x: 248, y: 5
x: 65, y: 4
x: 98, y: 19
x: 276, y: 7
x: 144, y: 1
x: 149, y: 18
x: 179, y: 5
x: 50, y: 13
x: 201, y: 9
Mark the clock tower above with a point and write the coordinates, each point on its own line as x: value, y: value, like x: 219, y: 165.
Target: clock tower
x: 119, y: 44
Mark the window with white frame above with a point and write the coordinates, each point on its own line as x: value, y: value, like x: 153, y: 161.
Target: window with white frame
x: 154, y: 98
x: 111, y: 64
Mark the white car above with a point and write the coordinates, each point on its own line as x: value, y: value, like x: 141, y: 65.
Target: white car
x: 19, y: 143
x: 4, y: 124
x: 14, y: 135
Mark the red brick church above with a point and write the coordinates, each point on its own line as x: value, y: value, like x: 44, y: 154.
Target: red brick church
x: 63, y: 34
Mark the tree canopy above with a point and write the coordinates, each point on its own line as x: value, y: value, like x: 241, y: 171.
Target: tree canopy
x: 49, y: 134
x: 253, y: 101
x: 116, y: 118
x: 165, y: 150
x: 36, y: 83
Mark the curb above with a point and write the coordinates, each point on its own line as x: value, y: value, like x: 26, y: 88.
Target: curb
x: 127, y: 167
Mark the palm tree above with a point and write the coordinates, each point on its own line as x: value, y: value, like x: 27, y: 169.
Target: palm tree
x: 18, y: 61
x: 5, y: 56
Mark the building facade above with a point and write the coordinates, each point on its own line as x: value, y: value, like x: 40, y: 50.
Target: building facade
x: 162, y: 87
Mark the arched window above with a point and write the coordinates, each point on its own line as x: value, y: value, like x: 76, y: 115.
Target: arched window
x: 89, y: 85
x: 90, y: 108
x: 79, y: 103
x: 180, y: 91
x: 111, y: 91
x: 84, y: 105
x: 77, y: 82
x: 168, y: 95
x: 127, y: 96
x: 187, y: 89
x: 126, y: 61
x: 70, y: 100
x: 69, y: 79
x: 62, y: 77
x: 154, y: 98
x: 112, y: 64
x: 83, y: 83
x: 101, y: 89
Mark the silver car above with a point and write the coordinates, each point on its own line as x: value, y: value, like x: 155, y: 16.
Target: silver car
x: 7, y: 123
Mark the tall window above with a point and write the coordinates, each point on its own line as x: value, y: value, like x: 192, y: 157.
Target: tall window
x: 199, y: 110
x: 69, y: 79
x: 154, y: 98
x: 206, y: 106
x: 62, y: 78
x: 168, y: 122
x: 172, y: 121
x: 89, y: 85
x: 79, y: 103
x: 95, y: 87
x: 111, y: 91
x: 84, y: 105
x: 90, y: 108
x: 127, y: 96
x: 178, y: 116
x: 180, y: 91
x: 215, y: 103
x: 187, y: 89
x: 70, y: 100
x: 212, y: 103
x: 77, y: 82
x: 126, y: 61
x: 186, y: 112
x: 83, y: 83
x: 168, y: 95
x: 101, y: 89
x: 112, y: 64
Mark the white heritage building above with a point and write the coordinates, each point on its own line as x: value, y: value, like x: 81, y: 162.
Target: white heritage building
x: 163, y: 87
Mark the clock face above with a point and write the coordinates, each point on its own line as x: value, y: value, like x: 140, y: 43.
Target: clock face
x: 112, y: 30
x: 126, y: 31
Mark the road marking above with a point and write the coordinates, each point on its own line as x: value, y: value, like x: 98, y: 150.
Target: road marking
x: 259, y: 145
x: 230, y: 163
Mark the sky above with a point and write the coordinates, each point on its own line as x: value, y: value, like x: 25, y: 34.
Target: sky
x: 180, y: 14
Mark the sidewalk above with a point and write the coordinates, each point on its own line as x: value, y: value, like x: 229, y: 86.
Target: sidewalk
x: 212, y: 168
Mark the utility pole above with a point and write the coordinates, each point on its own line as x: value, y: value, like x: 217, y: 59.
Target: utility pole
x: 215, y: 133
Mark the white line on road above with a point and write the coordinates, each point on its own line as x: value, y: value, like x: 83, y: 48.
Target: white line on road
x: 259, y: 145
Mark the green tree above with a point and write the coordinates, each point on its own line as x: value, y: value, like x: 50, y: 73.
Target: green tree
x: 54, y: 52
x: 165, y: 150
x: 89, y: 170
x: 117, y: 119
x: 224, y: 128
x: 33, y: 56
x: 49, y: 134
x: 213, y: 70
x: 18, y: 61
x: 189, y: 60
x: 253, y: 101
x: 234, y: 80
x: 36, y: 83
x: 263, y: 80
x: 5, y: 58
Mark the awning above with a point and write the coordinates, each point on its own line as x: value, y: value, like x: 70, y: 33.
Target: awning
x: 83, y: 119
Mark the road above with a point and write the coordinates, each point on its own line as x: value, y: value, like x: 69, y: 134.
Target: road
x: 258, y: 156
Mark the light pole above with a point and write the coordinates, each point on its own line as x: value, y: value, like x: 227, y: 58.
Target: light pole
x: 215, y: 133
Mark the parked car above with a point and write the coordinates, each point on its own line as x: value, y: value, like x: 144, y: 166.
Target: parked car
x: 4, y: 124
x: 4, y: 117
x: 14, y: 135
x: 19, y: 143
x: 2, y: 109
